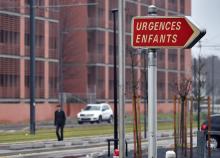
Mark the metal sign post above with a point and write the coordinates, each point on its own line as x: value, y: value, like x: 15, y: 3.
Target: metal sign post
x: 152, y: 103
x: 121, y: 65
x: 152, y: 96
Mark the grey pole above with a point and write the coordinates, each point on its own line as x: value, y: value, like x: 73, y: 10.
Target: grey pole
x: 152, y: 96
x: 32, y: 67
x: 121, y: 64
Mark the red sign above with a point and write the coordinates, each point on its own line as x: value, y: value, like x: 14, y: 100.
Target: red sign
x: 164, y: 32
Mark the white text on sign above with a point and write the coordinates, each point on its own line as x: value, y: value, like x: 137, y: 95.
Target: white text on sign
x: 157, y: 26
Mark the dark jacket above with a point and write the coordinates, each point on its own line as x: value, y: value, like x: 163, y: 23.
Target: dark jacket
x: 59, y: 118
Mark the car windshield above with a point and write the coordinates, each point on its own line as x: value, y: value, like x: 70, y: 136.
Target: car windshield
x: 90, y: 108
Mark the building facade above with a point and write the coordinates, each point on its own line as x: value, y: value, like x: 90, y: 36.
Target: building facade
x: 74, y: 55
x: 15, y: 57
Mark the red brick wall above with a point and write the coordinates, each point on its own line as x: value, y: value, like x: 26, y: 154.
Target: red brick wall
x: 19, y: 113
x: 16, y: 113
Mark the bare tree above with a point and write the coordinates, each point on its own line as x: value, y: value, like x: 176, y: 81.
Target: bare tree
x: 198, y: 83
x: 136, y: 111
x: 182, y: 89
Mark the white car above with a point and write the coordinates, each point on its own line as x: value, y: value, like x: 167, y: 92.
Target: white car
x: 95, y: 113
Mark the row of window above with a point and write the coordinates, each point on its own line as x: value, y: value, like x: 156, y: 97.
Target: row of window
x: 11, y: 37
x: 10, y: 80
x: 10, y: 83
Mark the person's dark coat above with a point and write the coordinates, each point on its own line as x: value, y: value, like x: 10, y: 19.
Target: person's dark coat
x: 60, y: 118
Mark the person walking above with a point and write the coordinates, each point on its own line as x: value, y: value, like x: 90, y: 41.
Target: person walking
x: 59, y: 122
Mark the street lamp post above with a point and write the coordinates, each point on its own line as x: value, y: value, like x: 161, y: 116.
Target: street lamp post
x: 32, y: 67
x: 121, y: 70
x: 114, y: 11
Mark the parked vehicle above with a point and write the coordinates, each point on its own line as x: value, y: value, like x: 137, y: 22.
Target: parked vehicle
x: 95, y: 113
x: 214, y: 132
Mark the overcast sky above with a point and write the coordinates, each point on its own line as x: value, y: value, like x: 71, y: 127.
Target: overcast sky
x: 206, y: 13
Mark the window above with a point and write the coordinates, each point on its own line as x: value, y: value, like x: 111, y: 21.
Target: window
x: 53, y: 42
x: 160, y: 3
x: 172, y: 55
x: 1, y: 36
x: 1, y: 80
x: 27, y: 39
x: 101, y: 48
x: 40, y: 81
x: 27, y: 2
x: 9, y: 82
x: 172, y: 4
x: 172, y: 58
x: 39, y: 41
x: 27, y: 81
x: 9, y: 78
x: 101, y: 12
x: 40, y: 2
x: 182, y: 6
x: 54, y: 80
x: 105, y: 107
x: 9, y: 37
x: 91, y: 11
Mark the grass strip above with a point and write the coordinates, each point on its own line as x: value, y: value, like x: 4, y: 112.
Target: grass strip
x: 79, y: 131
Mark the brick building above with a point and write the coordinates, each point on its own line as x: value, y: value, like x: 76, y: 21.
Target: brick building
x: 14, y: 59
x: 78, y: 40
